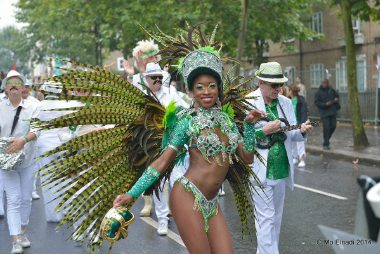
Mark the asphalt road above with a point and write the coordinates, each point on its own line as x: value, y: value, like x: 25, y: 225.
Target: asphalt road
x: 326, y: 194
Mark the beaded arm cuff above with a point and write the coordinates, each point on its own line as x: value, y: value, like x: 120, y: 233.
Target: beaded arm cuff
x: 260, y: 133
x: 149, y: 176
x: 249, y: 137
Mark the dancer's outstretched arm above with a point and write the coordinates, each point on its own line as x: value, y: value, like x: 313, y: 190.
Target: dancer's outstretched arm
x: 150, y: 175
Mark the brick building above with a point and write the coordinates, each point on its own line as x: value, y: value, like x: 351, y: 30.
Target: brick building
x: 315, y: 60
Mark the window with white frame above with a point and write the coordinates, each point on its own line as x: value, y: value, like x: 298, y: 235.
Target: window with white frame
x: 290, y: 72
x: 317, y: 74
x: 317, y: 22
x: 361, y: 73
x: 356, y: 26
x: 341, y: 75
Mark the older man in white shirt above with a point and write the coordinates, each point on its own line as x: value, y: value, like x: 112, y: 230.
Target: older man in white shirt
x: 15, y: 115
x: 154, y: 78
x: 278, y: 170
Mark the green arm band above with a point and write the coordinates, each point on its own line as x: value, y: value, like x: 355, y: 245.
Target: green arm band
x: 259, y: 133
x: 149, y: 176
x: 249, y: 137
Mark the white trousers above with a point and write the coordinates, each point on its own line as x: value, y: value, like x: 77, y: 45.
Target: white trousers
x: 161, y: 206
x: 49, y: 194
x: 178, y: 171
x: 269, y: 206
x: 18, y: 187
x: 298, y: 150
x: 1, y: 197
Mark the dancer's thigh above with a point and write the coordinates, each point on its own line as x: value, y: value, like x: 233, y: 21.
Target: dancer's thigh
x: 189, y: 221
x: 219, y: 236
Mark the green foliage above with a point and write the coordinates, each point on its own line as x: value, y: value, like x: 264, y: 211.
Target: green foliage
x: 363, y: 9
x: 14, y: 49
x: 86, y: 30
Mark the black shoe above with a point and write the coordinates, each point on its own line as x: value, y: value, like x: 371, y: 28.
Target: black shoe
x: 326, y: 147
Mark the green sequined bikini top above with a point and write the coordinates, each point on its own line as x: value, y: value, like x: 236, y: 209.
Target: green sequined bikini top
x: 198, y: 129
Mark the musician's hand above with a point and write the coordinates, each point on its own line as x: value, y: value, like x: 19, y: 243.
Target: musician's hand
x: 15, y: 145
x: 272, y: 127
x: 254, y: 115
x: 329, y: 103
x: 306, y: 127
x: 122, y: 200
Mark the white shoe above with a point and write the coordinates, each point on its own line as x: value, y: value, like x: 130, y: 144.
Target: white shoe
x: 16, y: 247
x: 24, y: 241
x: 148, y: 206
x: 301, y: 164
x: 162, y: 227
x: 35, y: 195
x: 295, y: 161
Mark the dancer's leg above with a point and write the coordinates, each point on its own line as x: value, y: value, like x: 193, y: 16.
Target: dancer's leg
x: 219, y: 236
x: 189, y: 221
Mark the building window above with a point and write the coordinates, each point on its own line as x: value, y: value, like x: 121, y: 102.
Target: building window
x: 341, y: 75
x: 361, y: 73
x: 290, y: 72
x: 317, y: 74
x: 317, y: 22
x: 356, y: 26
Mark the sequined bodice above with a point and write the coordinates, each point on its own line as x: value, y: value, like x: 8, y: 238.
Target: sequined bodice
x: 201, y: 129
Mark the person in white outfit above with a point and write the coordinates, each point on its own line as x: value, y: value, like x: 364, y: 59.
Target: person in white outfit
x: 2, y: 97
x: 16, y: 115
x: 145, y: 52
x: 300, y: 109
x: 154, y: 77
x: 277, y: 171
x: 26, y: 95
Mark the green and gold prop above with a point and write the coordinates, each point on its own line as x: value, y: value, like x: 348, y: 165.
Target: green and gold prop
x: 115, y: 224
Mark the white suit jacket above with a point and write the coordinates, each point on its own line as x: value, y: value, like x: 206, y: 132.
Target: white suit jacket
x: 259, y: 168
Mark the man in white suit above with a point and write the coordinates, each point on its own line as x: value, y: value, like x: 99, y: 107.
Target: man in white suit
x: 278, y: 168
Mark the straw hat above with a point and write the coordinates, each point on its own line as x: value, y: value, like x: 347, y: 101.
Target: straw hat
x: 10, y: 74
x: 271, y: 72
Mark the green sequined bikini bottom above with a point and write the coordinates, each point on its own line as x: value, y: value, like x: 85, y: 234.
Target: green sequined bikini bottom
x: 208, y: 208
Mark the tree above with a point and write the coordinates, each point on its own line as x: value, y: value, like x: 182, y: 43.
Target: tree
x: 86, y: 30
x: 365, y: 10
x: 72, y: 29
x: 14, y: 49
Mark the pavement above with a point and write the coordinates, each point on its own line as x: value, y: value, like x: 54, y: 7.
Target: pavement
x: 341, y: 145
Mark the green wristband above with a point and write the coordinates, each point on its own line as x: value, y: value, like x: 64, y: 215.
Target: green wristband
x: 149, y: 176
x: 25, y: 138
x: 249, y: 137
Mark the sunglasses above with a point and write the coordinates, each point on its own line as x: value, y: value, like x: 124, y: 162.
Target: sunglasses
x: 275, y: 85
x: 156, y: 77
x: 14, y: 82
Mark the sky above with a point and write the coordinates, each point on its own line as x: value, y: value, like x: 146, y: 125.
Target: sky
x: 7, y: 13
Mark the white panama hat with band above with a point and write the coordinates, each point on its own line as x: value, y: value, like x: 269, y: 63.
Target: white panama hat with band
x: 153, y: 69
x: 12, y: 73
x: 271, y: 72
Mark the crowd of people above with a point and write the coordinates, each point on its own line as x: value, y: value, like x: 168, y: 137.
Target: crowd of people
x: 195, y: 183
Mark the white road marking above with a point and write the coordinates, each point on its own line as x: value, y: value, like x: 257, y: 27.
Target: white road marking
x: 320, y: 192
x: 175, y: 237
x: 304, y: 170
